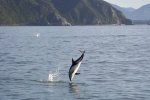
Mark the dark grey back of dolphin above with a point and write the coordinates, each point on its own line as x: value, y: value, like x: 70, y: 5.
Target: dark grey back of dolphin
x: 78, y: 60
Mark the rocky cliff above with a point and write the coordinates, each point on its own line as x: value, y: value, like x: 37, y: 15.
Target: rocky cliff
x: 59, y: 12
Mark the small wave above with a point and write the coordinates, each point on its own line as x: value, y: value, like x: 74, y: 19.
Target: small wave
x: 103, y: 62
x: 121, y: 35
x: 47, y: 81
x: 66, y: 41
x: 24, y: 62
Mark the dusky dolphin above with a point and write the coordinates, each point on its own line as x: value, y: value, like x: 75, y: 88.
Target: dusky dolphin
x: 75, y: 66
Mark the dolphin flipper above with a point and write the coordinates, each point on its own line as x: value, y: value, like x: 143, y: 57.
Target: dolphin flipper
x: 77, y: 73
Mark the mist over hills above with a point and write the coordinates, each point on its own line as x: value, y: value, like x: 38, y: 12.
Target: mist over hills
x: 142, y: 13
x: 59, y: 12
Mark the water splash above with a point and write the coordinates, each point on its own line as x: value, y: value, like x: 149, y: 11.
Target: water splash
x: 53, y: 76
x: 37, y: 35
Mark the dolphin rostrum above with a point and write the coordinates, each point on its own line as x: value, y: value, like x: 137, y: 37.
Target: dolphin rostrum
x: 75, y: 66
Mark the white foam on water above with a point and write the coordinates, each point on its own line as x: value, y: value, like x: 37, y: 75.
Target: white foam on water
x: 37, y: 34
x: 53, y: 76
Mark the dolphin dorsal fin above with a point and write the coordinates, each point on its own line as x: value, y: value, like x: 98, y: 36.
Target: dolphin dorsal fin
x: 72, y: 61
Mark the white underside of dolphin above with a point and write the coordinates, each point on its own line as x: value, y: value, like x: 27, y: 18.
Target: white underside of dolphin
x: 76, y: 67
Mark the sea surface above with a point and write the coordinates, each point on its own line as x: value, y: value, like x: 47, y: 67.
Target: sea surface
x: 116, y: 65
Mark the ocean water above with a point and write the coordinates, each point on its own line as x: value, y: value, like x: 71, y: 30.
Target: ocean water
x: 116, y: 65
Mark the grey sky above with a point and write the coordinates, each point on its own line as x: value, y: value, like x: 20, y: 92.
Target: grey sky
x: 129, y: 3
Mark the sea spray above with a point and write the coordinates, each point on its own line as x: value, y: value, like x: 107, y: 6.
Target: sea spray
x: 53, y: 76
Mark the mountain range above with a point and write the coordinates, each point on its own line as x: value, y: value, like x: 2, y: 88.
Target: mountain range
x: 59, y: 12
x: 142, y: 13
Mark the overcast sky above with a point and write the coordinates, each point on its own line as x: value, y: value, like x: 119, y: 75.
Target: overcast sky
x: 129, y: 3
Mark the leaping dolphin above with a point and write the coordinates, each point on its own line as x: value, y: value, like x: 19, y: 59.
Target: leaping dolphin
x: 75, y: 66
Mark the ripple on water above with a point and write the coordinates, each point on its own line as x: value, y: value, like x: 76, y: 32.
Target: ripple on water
x: 115, y: 66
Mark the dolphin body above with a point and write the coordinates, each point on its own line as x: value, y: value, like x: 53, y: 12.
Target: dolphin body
x: 75, y: 66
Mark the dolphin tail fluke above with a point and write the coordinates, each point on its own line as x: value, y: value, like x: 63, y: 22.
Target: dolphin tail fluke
x: 82, y: 51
